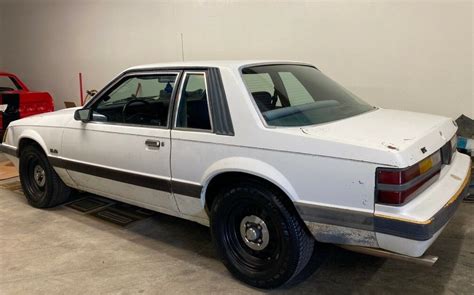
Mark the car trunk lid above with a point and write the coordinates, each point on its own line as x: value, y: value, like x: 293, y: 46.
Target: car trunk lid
x: 410, y: 136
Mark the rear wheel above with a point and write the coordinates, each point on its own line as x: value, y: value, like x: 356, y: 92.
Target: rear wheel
x: 41, y: 185
x: 259, y: 239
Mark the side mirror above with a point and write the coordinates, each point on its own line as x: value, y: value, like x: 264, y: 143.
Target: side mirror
x: 83, y: 115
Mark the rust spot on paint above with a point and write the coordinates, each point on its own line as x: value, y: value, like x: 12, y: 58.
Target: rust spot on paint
x: 390, y: 146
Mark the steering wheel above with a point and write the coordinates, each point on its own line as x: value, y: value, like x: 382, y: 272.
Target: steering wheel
x: 126, y: 117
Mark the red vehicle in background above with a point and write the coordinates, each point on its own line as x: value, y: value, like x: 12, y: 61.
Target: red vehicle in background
x: 17, y: 101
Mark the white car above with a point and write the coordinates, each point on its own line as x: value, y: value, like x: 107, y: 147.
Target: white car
x: 274, y: 156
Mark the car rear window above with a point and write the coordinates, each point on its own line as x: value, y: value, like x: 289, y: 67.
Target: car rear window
x: 299, y: 95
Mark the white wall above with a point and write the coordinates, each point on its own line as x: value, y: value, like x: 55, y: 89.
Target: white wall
x: 413, y: 55
x: 472, y: 57
x: 1, y: 35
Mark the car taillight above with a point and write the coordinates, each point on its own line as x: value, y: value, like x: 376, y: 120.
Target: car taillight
x: 398, y: 186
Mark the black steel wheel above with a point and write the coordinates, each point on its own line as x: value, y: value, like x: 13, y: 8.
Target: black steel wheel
x: 41, y: 185
x: 260, y: 240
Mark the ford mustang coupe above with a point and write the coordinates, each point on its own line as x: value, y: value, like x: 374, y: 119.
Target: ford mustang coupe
x: 274, y: 156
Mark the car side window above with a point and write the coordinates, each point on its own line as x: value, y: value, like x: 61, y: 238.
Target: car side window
x: 193, y: 110
x: 141, y: 100
x: 8, y: 84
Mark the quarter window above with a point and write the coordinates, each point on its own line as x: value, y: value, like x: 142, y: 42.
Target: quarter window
x: 142, y: 100
x: 193, y: 110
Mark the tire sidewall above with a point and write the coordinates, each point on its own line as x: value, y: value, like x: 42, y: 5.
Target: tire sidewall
x: 34, y: 198
x: 282, y: 220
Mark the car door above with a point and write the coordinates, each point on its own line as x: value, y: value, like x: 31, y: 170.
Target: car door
x: 200, y: 125
x: 124, y: 150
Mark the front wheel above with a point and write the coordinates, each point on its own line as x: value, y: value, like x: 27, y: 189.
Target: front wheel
x: 259, y: 239
x: 41, y: 185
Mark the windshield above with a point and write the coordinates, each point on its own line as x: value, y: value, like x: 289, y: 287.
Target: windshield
x: 299, y: 95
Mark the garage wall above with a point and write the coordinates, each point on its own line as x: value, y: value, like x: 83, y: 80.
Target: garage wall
x: 1, y: 34
x: 472, y: 58
x: 412, y: 55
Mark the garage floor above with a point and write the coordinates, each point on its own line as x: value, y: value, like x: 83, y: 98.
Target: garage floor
x: 64, y: 251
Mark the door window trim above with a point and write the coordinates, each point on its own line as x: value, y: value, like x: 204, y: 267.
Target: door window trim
x: 178, y: 101
x: 92, y: 103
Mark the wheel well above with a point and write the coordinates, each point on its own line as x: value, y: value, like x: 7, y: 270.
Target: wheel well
x: 226, y: 179
x: 24, y: 142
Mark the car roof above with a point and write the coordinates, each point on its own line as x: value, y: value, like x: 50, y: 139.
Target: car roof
x: 6, y: 74
x: 230, y: 64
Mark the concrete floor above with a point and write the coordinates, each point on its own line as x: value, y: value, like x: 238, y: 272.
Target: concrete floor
x: 61, y: 251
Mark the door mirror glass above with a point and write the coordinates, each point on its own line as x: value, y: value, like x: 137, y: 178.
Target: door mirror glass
x: 83, y: 115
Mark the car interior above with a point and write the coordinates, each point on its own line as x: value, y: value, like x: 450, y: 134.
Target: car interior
x: 193, y: 110
x: 153, y: 110
x: 143, y: 111
x: 139, y: 106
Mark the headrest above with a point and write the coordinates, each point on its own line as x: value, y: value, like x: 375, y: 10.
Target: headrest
x: 263, y: 100
x: 164, y: 94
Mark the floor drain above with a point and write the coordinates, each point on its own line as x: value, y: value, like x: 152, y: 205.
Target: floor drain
x: 114, y: 217
x: 123, y: 214
x: 87, y: 205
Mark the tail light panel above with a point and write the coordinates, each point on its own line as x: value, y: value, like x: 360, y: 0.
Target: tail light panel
x: 399, y: 186
x: 448, y: 150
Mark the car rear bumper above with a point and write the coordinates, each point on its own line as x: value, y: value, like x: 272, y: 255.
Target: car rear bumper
x: 410, y: 236
x: 422, y: 230
x: 408, y: 229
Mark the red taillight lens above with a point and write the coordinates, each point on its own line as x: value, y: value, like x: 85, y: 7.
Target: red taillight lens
x: 397, y: 186
x: 398, y: 176
x: 400, y: 197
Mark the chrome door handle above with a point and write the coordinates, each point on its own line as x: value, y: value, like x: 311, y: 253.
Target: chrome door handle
x: 153, y: 143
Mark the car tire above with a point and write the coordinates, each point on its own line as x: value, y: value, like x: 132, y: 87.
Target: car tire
x: 321, y: 252
x: 40, y: 183
x: 261, y: 241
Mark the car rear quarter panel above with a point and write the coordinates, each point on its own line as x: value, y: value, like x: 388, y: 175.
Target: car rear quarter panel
x: 284, y: 158
x: 318, y: 180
